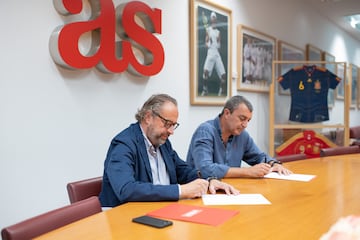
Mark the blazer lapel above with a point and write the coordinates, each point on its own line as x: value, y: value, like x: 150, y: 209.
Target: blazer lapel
x: 143, y: 151
x: 170, y: 167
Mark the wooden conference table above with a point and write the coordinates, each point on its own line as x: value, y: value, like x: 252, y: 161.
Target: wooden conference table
x: 298, y: 210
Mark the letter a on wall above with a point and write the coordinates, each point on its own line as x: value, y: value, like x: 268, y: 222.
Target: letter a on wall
x: 121, y: 39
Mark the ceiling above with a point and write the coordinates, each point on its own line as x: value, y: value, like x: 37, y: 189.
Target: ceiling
x: 336, y: 10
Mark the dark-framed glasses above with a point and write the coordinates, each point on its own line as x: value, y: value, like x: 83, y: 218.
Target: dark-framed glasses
x: 167, y: 123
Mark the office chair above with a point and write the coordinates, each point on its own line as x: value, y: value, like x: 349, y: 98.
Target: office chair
x: 83, y: 189
x: 292, y: 157
x: 355, y: 135
x: 46, y: 222
x: 339, y: 150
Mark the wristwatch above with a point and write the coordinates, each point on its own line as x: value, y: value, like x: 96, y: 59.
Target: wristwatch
x: 211, y: 178
x: 272, y: 162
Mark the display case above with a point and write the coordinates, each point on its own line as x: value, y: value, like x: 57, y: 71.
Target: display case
x: 305, y: 115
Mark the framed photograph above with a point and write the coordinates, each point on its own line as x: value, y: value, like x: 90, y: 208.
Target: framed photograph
x: 288, y: 52
x: 256, y: 51
x: 340, y: 89
x: 210, y: 53
x: 358, y: 89
x: 354, y: 85
x: 313, y: 53
x: 331, y: 66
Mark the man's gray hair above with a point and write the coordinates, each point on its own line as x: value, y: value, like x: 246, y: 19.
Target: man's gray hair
x: 154, y: 103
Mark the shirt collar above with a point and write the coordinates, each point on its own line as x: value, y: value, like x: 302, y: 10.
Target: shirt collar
x: 218, y: 128
x: 146, y: 140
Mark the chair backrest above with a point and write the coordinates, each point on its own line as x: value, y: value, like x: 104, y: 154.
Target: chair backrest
x: 46, y: 222
x: 84, y: 189
x: 355, y: 135
x: 339, y: 150
x: 292, y: 157
x: 355, y: 132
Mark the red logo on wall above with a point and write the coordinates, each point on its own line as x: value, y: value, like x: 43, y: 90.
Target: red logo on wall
x: 121, y: 39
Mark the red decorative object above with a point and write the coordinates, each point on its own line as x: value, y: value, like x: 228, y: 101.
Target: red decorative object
x: 308, y: 142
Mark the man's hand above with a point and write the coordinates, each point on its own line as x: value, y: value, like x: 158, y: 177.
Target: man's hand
x: 281, y: 169
x: 194, y: 189
x: 259, y: 170
x: 218, y: 185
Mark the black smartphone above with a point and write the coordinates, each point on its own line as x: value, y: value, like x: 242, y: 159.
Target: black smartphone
x: 152, y: 221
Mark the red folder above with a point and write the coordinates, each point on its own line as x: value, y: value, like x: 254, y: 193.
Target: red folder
x: 196, y: 214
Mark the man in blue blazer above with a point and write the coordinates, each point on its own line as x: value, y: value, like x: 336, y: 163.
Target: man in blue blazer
x: 141, y: 164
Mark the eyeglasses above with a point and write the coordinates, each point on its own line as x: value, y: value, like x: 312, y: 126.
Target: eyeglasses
x: 167, y: 123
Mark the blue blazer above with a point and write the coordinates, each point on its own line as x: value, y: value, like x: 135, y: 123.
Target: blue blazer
x: 127, y: 174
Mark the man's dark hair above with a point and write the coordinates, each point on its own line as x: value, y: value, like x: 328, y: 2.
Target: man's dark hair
x: 234, y: 102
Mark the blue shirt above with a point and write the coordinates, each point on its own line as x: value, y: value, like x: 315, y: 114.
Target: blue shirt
x: 208, y: 154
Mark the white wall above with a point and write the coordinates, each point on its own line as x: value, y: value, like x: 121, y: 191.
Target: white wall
x: 55, y: 124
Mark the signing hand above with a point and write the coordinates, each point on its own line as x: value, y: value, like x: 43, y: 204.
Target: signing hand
x: 194, y: 189
x: 259, y: 170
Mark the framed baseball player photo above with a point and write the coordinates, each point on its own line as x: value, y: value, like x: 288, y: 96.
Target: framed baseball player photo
x: 290, y: 55
x: 210, y: 53
x: 256, y: 52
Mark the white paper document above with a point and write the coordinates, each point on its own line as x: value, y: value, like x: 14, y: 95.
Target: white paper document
x: 293, y: 176
x: 241, y: 199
